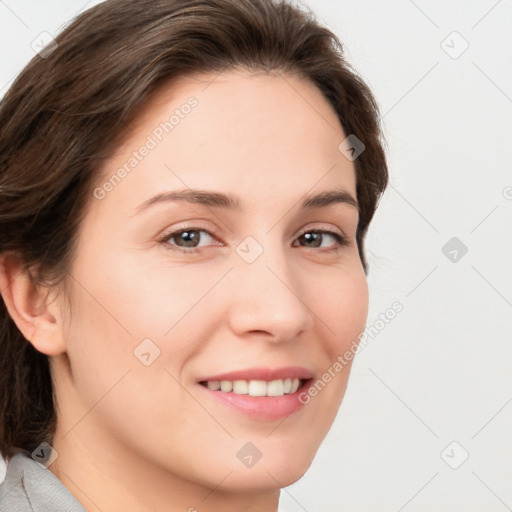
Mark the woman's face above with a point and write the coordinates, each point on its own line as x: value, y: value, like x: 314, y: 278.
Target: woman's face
x: 246, y: 292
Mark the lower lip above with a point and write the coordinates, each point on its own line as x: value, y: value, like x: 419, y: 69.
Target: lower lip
x: 261, y: 407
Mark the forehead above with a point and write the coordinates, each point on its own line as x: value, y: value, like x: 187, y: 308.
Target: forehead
x: 255, y: 133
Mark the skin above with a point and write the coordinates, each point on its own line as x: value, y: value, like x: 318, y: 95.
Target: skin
x: 143, y: 438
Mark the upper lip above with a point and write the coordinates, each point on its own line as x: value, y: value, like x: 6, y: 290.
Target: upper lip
x: 262, y: 373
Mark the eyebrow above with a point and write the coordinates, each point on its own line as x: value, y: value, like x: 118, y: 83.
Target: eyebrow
x: 230, y: 202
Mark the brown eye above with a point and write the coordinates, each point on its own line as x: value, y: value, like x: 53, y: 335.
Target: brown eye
x: 185, y: 238
x: 314, y: 238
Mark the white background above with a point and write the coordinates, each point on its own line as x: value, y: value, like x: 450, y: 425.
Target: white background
x: 440, y: 371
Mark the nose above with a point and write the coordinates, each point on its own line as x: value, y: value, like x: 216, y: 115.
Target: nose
x: 267, y: 298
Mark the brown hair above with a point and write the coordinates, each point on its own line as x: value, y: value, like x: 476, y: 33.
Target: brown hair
x: 66, y: 111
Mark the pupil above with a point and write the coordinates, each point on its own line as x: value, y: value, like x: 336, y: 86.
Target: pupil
x: 315, y: 237
x: 188, y: 236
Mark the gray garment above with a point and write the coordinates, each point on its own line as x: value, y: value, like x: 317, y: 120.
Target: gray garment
x: 30, y: 487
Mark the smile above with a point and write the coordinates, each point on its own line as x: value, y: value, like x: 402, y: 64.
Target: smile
x: 277, y: 387
x: 260, y: 393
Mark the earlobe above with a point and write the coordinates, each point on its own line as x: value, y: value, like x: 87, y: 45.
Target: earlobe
x: 27, y: 306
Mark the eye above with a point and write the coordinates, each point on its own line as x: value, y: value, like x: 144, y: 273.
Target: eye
x: 315, y: 237
x: 186, y: 239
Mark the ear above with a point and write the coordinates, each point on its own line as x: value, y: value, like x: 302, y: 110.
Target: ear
x: 38, y: 321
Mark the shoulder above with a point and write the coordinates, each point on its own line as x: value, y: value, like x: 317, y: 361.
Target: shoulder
x: 30, y: 487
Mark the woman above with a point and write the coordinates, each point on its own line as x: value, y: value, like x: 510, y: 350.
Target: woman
x: 185, y: 191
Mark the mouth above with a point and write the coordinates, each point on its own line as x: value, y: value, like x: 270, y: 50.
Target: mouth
x: 262, y: 394
x: 278, y: 387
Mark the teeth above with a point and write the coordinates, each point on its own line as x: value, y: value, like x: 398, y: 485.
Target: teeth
x: 240, y: 387
x: 277, y: 387
x: 226, y: 385
x: 257, y: 388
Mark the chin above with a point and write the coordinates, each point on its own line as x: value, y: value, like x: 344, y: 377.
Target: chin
x: 276, y: 472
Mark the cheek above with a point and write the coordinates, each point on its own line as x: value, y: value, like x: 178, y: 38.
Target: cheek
x: 343, y: 309
x: 132, y: 300
x: 153, y: 296
x: 126, y: 310
x: 111, y: 320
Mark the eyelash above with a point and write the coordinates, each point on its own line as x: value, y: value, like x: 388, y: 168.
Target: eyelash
x: 341, y: 240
